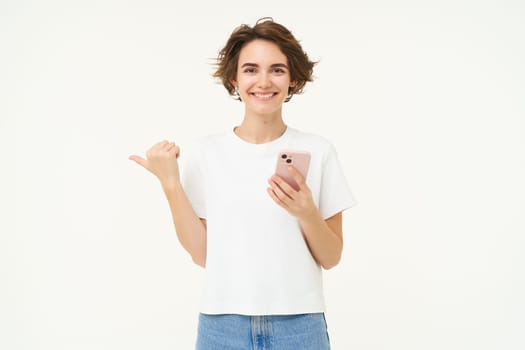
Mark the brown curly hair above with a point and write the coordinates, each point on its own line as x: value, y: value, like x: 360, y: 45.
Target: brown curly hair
x: 301, y: 68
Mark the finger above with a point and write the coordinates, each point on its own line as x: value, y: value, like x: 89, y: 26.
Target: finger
x: 279, y: 191
x: 297, y: 176
x: 170, y: 145
x: 177, y: 151
x: 275, y: 198
x: 174, y: 148
x: 139, y: 160
x: 161, y: 145
x: 157, y: 147
x: 283, y: 186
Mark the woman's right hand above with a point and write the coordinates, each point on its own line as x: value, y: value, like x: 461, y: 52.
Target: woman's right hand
x: 161, y: 161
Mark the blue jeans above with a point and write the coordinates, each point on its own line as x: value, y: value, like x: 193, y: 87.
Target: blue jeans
x: 286, y: 332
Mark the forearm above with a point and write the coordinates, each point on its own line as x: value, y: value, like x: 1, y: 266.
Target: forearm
x: 325, y: 245
x: 190, y: 230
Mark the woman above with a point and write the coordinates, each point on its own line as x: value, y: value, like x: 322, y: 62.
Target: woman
x: 262, y: 241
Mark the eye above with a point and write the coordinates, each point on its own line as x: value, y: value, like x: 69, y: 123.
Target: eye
x: 249, y: 70
x: 279, y: 70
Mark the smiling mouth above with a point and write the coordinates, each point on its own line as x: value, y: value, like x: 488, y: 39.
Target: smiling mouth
x: 263, y: 96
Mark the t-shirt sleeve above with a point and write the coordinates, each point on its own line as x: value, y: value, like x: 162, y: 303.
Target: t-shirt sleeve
x: 193, y: 181
x: 335, y: 195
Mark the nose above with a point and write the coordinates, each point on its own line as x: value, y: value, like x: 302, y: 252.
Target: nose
x: 264, y: 80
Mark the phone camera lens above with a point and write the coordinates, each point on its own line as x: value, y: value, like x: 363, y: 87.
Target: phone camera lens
x: 288, y: 161
x: 284, y: 156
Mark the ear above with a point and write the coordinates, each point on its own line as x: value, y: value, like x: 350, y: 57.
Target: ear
x: 293, y: 84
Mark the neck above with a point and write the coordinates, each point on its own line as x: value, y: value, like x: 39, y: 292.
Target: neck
x: 261, y: 129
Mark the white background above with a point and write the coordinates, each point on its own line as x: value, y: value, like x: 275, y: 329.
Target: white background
x: 424, y: 100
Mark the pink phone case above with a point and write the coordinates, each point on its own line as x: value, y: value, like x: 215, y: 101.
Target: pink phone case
x: 300, y: 160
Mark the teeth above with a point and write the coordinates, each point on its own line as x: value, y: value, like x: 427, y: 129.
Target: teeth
x: 264, y: 95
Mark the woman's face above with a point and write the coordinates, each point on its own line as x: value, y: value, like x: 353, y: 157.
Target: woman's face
x: 263, y: 77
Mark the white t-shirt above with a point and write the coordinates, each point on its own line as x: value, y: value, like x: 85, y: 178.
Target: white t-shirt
x: 257, y: 260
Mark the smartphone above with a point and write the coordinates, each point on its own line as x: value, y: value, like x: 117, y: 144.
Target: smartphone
x: 300, y: 160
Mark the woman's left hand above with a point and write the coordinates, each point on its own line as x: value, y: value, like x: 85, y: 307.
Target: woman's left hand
x: 298, y: 203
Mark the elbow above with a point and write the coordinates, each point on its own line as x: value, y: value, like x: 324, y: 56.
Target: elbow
x: 331, y: 263
x: 197, y: 253
x: 332, y: 259
x: 199, y: 259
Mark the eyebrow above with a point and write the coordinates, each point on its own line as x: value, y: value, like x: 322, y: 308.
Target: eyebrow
x: 272, y: 66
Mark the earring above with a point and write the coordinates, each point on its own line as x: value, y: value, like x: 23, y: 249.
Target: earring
x: 236, y: 94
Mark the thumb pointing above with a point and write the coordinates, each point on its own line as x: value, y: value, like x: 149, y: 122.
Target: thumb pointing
x: 139, y: 160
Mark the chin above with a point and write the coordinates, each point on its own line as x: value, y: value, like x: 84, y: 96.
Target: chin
x: 265, y: 109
